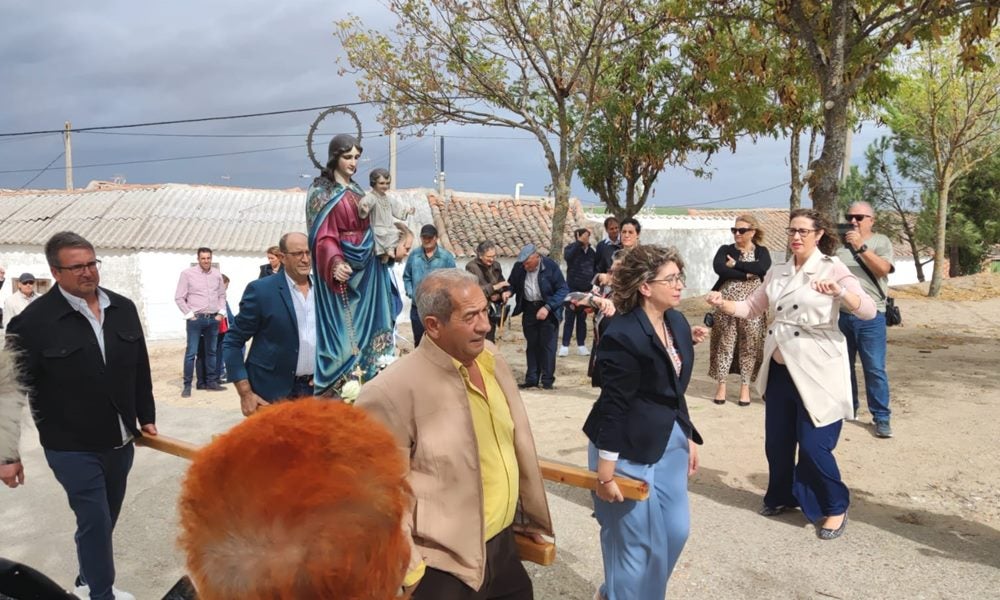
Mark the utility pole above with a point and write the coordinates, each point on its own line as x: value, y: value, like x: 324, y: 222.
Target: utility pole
x: 69, y: 156
x: 392, y: 159
x: 441, y: 174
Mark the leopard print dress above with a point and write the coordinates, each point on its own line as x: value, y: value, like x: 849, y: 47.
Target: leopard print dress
x: 737, y: 345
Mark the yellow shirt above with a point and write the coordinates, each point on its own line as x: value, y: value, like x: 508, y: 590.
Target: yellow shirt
x: 495, y: 439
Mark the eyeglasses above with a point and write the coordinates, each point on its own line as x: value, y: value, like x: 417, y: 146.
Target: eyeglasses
x: 741, y: 230
x: 299, y: 255
x: 94, y: 265
x: 857, y: 217
x: 791, y: 231
x: 672, y: 281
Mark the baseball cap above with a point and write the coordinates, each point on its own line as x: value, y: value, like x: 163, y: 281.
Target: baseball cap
x: 26, y: 278
x: 428, y: 231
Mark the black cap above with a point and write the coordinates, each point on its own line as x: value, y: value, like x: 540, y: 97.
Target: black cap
x: 26, y: 278
x: 428, y: 231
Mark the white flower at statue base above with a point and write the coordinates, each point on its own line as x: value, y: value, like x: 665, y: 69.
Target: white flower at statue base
x: 349, y: 393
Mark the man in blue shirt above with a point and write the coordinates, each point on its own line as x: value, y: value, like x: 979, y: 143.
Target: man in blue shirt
x: 418, y: 265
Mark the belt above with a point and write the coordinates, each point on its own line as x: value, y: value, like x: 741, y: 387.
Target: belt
x: 303, y: 379
x: 205, y: 314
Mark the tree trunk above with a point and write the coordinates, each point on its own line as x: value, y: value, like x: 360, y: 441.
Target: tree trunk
x: 559, y: 212
x: 937, y: 274
x: 825, y: 179
x: 954, y: 262
x: 795, y: 199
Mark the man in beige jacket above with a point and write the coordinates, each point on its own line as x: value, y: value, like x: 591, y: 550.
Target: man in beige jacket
x: 454, y: 409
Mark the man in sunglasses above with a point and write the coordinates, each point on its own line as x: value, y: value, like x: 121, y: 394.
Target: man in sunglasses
x: 19, y: 300
x: 82, y: 358
x: 868, y: 338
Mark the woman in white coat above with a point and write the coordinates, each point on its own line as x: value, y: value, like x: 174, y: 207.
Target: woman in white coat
x: 805, y: 379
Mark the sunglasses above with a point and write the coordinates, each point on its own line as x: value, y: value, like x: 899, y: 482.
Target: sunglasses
x: 740, y: 230
x: 857, y: 217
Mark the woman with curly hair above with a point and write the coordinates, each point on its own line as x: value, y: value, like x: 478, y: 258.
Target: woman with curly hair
x: 640, y: 427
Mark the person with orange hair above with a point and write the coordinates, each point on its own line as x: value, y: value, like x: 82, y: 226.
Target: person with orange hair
x: 302, y: 500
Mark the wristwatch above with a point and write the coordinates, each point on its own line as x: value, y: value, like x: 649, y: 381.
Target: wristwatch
x: 862, y: 249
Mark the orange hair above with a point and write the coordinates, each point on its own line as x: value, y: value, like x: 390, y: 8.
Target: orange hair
x: 304, y: 499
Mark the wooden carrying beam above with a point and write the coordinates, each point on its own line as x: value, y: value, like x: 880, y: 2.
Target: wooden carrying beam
x: 632, y: 489
x: 169, y: 445
x: 542, y: 554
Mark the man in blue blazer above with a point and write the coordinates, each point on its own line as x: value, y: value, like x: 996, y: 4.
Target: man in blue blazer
x: 277, y: 312
x: 540, y: 288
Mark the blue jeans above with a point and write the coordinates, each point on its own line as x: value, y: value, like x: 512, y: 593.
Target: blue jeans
x: 207, y: 326
x: 95, y: 486
x: 575, y: 321
x: 868, y: 338
x: 417, y: 325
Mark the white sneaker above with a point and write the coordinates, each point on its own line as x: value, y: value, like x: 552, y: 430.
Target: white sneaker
x: 583, y: 350
x: 564, y: 351
x: 83, y: 592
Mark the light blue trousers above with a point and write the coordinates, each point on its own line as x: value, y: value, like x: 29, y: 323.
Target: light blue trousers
x: 641, y: 541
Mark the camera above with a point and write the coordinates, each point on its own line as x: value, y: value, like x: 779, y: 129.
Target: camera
x: 843, y: 229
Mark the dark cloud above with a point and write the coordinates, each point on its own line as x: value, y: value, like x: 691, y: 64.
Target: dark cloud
x: 119, y: 61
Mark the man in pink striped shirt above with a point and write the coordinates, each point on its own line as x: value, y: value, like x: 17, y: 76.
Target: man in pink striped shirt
x: 201, y: 296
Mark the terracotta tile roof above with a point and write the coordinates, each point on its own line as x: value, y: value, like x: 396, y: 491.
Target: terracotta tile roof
x: 465, y: 220
x: 774, y: 221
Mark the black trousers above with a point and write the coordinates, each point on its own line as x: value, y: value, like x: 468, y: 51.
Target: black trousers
x: 504, y: 579
x: 541, y: 345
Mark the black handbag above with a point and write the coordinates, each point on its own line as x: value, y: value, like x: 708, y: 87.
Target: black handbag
x: 893, y: 316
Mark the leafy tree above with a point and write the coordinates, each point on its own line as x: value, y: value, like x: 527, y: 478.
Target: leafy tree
x: 897, y: 205
x: 530, y: 65
x: 849, y: 44
x: 670, y: 98
x: 951, y: 117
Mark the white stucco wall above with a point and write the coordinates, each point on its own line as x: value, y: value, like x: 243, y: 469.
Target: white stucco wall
x: 906, y: 271
x: 159, y: 272
x: 23, y: 259
x: 697, y: 240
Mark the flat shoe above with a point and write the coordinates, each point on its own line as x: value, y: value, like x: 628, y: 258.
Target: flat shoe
x: 832, y: 534
x: 771, y: 511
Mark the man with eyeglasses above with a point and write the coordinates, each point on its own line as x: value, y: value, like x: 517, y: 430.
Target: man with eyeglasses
x: 19, y: 300
x: 201, y: 296
x: 868, y: 338
x: 278, y: 314
x: 82, y: 358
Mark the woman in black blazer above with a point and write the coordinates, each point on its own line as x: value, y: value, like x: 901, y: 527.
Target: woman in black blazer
x: 640, y: 427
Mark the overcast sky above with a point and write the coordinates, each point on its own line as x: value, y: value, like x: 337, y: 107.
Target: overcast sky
x: 112, y: 62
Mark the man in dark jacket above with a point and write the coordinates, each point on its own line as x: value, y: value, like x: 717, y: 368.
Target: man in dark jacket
x: 540, y: 288
x: 82, y: 359
x: 581, y: 262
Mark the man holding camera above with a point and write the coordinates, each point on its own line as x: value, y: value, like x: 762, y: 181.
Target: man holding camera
x: 868, y: 338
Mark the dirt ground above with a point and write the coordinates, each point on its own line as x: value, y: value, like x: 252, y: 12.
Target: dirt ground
x: 924, y: 519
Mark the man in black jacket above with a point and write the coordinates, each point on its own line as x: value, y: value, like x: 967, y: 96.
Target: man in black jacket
x: 581, y: 262
x: 82, y: 359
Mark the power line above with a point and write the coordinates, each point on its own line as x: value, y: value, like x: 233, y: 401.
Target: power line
x: 748, y: 194
x: 178, y: 121
x: 156, y: 160
x: 39, y: 174
x: 377, y: 133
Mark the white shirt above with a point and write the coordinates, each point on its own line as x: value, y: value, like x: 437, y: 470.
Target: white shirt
x: 97, y: 324
x: 532, y: 293
x: 305, y: 317
x: 14, y: 304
